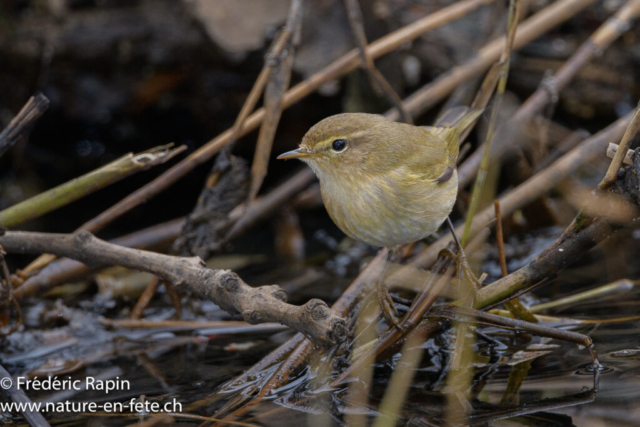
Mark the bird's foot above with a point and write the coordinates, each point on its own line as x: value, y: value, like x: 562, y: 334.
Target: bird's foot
x: 387, y: 306
x: 463, y: 269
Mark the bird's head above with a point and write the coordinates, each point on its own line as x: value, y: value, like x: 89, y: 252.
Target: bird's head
x: 350, y: 142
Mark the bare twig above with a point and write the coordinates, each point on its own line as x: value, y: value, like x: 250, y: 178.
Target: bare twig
x: 378, y: 81
x: 265, y: 205
x: 6, y: 292
x: 614, y: 167
x: 144, y: 300
x: 500, y: 239
x: 273, y: 96
x: 5, y: 278
x: 22, y: 122
x: 514, y: 306
x: 172, y: 293
x: 86, y: 184
x: 225, y: 288
x: 258, y: 87
x: 628, y: 159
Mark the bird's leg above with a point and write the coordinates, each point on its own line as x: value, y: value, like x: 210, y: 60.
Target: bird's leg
x: 463, y: 269
x: 387, y: 306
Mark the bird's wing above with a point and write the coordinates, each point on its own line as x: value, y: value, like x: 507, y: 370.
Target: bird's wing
x: 431, y: 158
x: 453, y: 123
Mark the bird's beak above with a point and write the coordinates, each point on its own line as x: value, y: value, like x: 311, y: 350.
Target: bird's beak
x: 295, y: 154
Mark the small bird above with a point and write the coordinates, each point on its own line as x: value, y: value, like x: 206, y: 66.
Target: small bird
x: 382, y: 182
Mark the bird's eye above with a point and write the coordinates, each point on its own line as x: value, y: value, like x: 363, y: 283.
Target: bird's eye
x: 339, y: 145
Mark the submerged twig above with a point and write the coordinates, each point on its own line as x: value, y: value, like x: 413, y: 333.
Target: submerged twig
x: 475, y: 316
x: 225, y: 288
x: 203, y: 326
x: 297, y: 348
x: 439, y: 276
x: 23, y: 121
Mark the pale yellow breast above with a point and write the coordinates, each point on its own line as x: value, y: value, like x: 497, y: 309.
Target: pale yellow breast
x: 388, y: 210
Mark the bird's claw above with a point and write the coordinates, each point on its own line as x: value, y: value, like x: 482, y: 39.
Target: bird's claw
x: 387, y: 306
x: 463, y: 269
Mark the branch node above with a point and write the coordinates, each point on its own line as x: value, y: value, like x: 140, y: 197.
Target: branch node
x: 252, y: 317
x: 83, y: 237
x: 230, y: 282
x: 318, y: 308
x: 339, y: 330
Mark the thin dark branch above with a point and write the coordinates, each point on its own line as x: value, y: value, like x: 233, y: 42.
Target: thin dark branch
x: 23, y: 121
x: 379, y: 83
x: 276, y: 87
x: 514, y: 306
x: 223, y: 287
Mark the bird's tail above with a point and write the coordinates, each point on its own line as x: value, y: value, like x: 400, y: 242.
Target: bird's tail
x: 454, y: 122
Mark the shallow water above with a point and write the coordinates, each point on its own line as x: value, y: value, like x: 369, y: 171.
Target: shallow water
x: 191, y: 366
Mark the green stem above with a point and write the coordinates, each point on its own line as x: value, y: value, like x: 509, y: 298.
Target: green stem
x: 77, y: 188
x: 515, y: 8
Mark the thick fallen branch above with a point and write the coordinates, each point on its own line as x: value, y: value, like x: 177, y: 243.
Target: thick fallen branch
x: 67, y: 270
x: 223, y: 287
x: 160, y: 236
